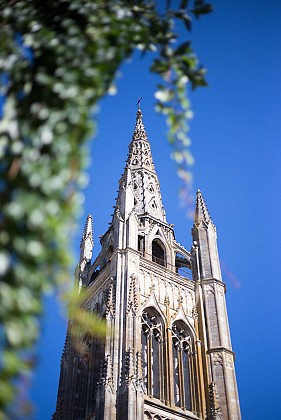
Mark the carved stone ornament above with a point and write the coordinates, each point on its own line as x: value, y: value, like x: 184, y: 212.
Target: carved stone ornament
x: 180, y: 300
x: 106, y: 378
x: 221, y: 290
x: 228, y: 360
x: 217, y: 359
x: 132, y: 305
x: 210, y: 289
x: 110, y: 301
x: 167, y: 300
x: 119, y: 214
x: 215, y: 411
x: 194, y: 312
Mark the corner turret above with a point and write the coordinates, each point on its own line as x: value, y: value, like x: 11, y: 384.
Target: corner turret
x: 211, y: 306
x: 86, y: 250
x: 205, y: 238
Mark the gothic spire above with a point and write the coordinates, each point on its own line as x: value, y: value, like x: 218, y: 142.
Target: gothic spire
x: 139, y: 180
x: 201, y: 210
x: 205, y: 237
x: 88, y: 228
x: 86, y: 251
x: 146, y: 188
x: 87, y: 241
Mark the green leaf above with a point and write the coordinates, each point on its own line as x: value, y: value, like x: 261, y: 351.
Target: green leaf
x: 202, y: 9
x: 183, y: 49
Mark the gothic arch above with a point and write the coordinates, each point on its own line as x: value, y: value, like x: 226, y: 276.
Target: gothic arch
x: 151, y: 303
x: 157, y: 234
x: 180, y: 316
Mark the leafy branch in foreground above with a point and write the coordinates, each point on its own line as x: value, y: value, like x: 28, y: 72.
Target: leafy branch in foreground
x: 57, y: 60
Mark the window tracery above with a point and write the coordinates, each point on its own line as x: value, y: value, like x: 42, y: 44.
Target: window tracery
x: 152, y: 354
x: 181, y: 365
x: 155, y: 356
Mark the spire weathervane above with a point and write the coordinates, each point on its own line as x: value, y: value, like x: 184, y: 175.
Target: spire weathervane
x: 139, y: 103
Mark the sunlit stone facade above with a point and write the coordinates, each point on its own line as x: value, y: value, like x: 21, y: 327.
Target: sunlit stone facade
x: 167, y: 353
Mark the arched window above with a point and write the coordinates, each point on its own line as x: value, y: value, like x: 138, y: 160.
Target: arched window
x: 152, y: 354
x: 181, y: 365
x: 158, y: 253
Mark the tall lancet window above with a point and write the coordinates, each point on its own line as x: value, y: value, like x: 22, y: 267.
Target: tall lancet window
x: 152, y: 354
x: 181, y: 364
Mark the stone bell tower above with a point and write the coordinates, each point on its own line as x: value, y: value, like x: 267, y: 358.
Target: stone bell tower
x: 167, y: 353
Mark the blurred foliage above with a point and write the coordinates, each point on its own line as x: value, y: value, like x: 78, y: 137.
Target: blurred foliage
x: 81, y: 320
x: 57, y: 59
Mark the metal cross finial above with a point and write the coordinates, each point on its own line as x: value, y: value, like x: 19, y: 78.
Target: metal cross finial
x: 139, y: 103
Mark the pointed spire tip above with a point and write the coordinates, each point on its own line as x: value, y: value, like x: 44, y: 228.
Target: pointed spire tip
x: 139, y: 103
x: 88, y: 227
x: 139, y: 126
x: 201, y: 210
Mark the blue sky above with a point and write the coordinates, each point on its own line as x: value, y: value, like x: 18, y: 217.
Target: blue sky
x: 236, y: 144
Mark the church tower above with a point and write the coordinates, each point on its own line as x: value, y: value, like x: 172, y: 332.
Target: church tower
x: 167, y: 353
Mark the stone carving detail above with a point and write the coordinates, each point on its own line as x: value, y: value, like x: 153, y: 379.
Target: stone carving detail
x: 210, y: 289
x: 118, y: 214
x: 228, y: 360
x: 152, y: 288
x: 139, y: 371
x: 110, y: 302
x: 167, y: 300
x: 133, y: 296
x: 150, y: 415
x: 127, y: 366
x: 132, y: 259
x: 106, y: 376
x: 221, y: 290
x: 180, y: 300
x: 132, y: 371
x: 153, y: 204
x: 217, y: 359
x: 151, y: 188
x: 194, y: 312
x: 215, y: 411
